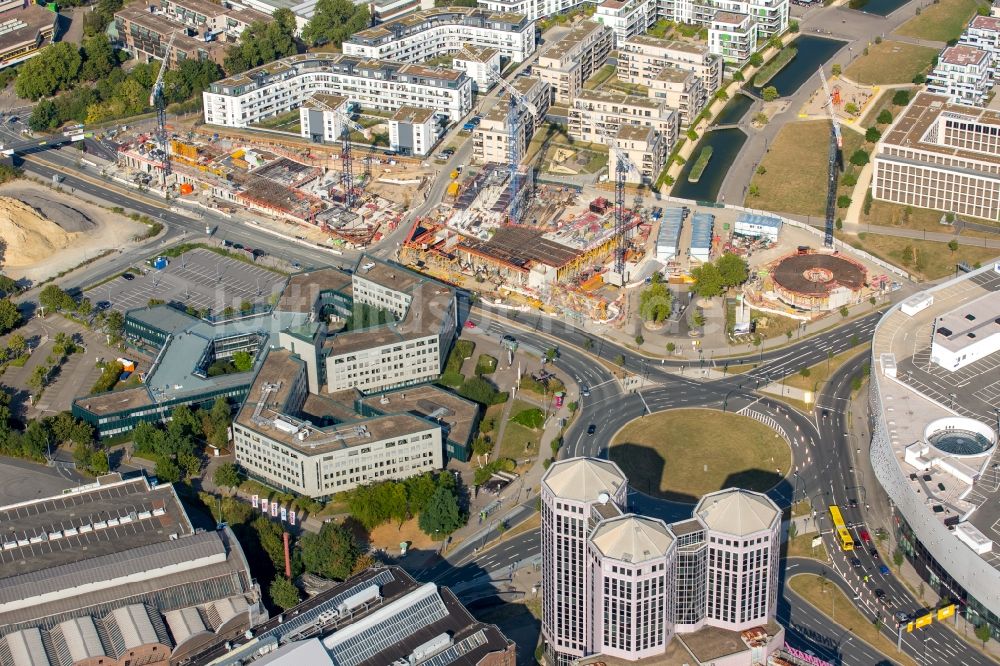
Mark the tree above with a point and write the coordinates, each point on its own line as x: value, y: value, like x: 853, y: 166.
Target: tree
x: 953, y: 245
x: 901, y: 98
x: 551, y: 354
x: 872, y: 134
x: 167, y: 471
x: 331, y: 553
x: 243, y: 361
x: 442, y: 515
x: 849, y: 179
x: 844, y: 312
x: 793, y: 26
x: 98, y: 57
x: 769, y: 94
x: 707, y: 280
x: 738, y: 76
x: 884, y: 117
x: 761, y: 170
x: 859, y: 157
x: 897, y: 558
x: 655, y: 303
x: 334, y: 21
x: 775, y: 42
x: 754, y: 190
x: 756, y: 60
x: 843, y: 201
x: 732, y: 269
x: 226, y: 475
x: 851, y: 109
x: 16, y: 345
x: 792, y: 530
x: 671, y: 347
x: 10, y: 316
x: 283, y: 593
x: 867, y: 206
x: 263, y: 42
x: 983, y: 633
x: 836, y: 69
x: 908, y: 255
x: 53, y: 298
x: 44, y: 116
x: 55, y: 68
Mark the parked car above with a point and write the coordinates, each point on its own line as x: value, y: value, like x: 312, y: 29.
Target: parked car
x: 102, y: 305
x: 585, y: 391
x: 128, y: 276
x: 879, y: 593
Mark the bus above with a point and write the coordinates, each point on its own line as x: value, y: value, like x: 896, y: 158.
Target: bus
x: 846, y: 542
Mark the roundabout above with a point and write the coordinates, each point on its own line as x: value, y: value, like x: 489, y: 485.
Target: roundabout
x: 681, y: 454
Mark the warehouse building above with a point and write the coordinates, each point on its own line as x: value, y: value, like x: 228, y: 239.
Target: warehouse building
x: 283, y: 85
x: 432, y: 33
x: 566, y: 64
x: 114, y: 572
x: 941, y: 156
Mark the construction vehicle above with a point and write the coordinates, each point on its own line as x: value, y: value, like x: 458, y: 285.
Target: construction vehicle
x: 156, y: 100
x: 835, y: 162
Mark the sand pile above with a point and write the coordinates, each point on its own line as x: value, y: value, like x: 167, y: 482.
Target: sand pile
x: 28, y: 238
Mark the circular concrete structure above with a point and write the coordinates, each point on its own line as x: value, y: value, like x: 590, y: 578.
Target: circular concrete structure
x: 957, y: 436
x: 818, y: 281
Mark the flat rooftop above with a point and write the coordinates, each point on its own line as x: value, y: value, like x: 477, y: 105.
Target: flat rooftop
x: 88, y: 513
x: 429, y: 18
x: 324, y: 101
x: 670, y: 44
x: 729, y: 18
x: 303, y: 289
x: 432, y: 403
x: 25, y: 24
x: 969, y: 324
x: 568, y: 44
x: 963, y: 55
x: 635, y: 133
x: 911, y: 129
x: 611, y: 97
x: 413, y: 114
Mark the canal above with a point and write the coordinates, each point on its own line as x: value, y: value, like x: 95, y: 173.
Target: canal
x: 726, y: 146
x: 881, y: 7
x: 812, y: 52
x: 733, y: 112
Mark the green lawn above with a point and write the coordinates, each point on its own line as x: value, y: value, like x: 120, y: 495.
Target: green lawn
x: 599, y: 77
x: 796, y: 169
x: 682, y: 454
x: 819, y: 373
x: 940, y: 22
x: 516, y: 436
x: 801, y: 546
x: 930, y: 260
x: 890, y: 62
x: 284, y: 122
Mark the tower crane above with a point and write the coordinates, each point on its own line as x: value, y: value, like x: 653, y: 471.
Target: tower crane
x: 347, y: 177
x: 622, y: 167
x: 156, y: 100
x: 834, y: 164
x: 518, y: 105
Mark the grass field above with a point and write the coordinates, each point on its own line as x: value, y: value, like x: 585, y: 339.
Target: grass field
x: 940, y: 22
x: 516, y: 436
x: 931, y: 261
x: 829, y: 600
x: 795, y: 169
x: 890, y: 62
x: 884, y: 101
x: 283, y: 122
x: 819, y: 373
x: 886, y: 214
x: 801, y: 546
x: 682, y: 454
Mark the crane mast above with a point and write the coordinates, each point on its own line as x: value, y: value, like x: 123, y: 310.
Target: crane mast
x: 156, y: 100
x: 834, y: 162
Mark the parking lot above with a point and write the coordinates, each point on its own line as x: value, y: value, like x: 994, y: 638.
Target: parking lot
x: 199, y: 278
x: 21, y: 481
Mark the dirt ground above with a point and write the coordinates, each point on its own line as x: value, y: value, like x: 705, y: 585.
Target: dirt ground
x: 92, y: 229
x: 390, y: 535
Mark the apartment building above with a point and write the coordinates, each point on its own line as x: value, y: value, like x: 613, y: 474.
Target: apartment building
x: 435, y: 32
x: 769, y: 17
x: 282, y: 437
x: 681, y: 90
x: 626, y: 18
x: 203, y: 29
x: 285, y: 84
x: 566, y: 64
x: 942, y: 156
x: 983, y: 32
x: 734, y: 36
x: 413, y: 131
x: 963, y: 74
x: 321, y: 117
x: 491, y: 139
x: 641, y: 58
x: 481, y: 63
x: 644, y: 147
x: 596, y: 115
x: 623, y: 586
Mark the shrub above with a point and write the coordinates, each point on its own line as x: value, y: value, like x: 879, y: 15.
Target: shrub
x: 901, y: 98
x: 843, y: 201
x: 532, y: 418
x: 849, y: 179
x: 884, y: 117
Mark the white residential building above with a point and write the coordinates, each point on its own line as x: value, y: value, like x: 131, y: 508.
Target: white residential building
x: 681, y: 90
x: 626, y: 18
x: 533, y: 9
x: 596, y: 115
x: 490, y: 140
x: 963, y: 74
x: 481, y: 63
x: 769, y: 17
x: 435, y: 32
x: 644, y: 147
x: 413, y: 131
x: 641, y: 58
x: 284, y: 85
x: 983, y: 33
x: 321, y: 117
x: 566, y: 64
x: 733, y: 36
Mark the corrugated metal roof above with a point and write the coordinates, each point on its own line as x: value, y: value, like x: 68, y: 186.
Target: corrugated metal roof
x: 184, y: 623
x: 81, y: 638
x: 26, y: 648
x: 145, y: 559
x: 701, y: 230
x: 133, y: 623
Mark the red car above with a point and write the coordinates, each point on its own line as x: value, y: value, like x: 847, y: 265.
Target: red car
x: 469, y: 323
x: 865, y: 536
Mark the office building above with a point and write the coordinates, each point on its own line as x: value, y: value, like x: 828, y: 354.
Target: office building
x: 441, y: 31
x: 622, y: 586
x: 644, y: 147
x: 595, y: 116
x: 414, y: 131
x: 113, y: 573
x: 321, y: 117
x: 983, y: 32
x: 641, y: 58
x: 203, y: 29
x: 567, y: 63
x: 491, y: 139
x: 27, y: 28
x: 942, y: 156
x: 379, y: 616
x: 963, y: 74
x: 626, y: 18
x: 285, y: 84
x: 933, y: 442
